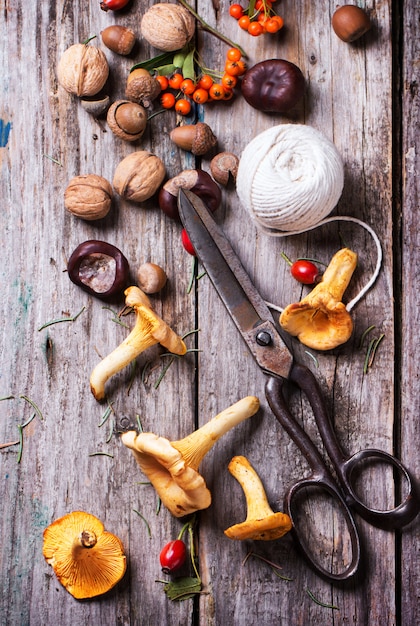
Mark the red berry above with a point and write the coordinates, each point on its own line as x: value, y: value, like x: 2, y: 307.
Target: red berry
x: 304, y: 271
x: 113, y: 5
x: 173, y: 556
x: 187, y: 243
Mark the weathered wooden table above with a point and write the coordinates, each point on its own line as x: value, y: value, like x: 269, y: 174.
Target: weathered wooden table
x: 362, y: 96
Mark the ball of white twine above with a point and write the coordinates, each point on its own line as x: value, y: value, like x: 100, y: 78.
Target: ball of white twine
x: 290, y: 177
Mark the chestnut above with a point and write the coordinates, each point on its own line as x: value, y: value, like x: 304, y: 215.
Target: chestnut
x: 99, y: 268
x: 273, y: 86
x: 350, y: 22
x: 197, y: 181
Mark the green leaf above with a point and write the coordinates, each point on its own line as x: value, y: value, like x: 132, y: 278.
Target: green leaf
x: 165, y: 70
x: 188, y: 67
x: 155, y: 62
x: 179, y: 59
x: 182, y: 588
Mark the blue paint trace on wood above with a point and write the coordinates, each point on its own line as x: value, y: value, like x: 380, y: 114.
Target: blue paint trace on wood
x: 4, y: 133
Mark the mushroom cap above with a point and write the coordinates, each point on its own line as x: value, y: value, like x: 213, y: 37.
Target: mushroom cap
x: 87, y: 560
x: 323, y: 325
x: 180, y: 487
x: 320, y: 320
x: 266, y: 529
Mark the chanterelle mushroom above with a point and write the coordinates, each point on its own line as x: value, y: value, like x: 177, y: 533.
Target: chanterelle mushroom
x: 261, y: 523
x: 320, y: 320
x: 87, y: 560
x: 172, y: 467
x: 149, y: 330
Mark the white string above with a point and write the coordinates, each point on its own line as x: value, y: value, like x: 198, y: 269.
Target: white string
x: 338, y: 218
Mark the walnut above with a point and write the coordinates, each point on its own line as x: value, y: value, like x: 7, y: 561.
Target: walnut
x: 88, y: 197
x: 168, y: 27
x: 83, y: 70
x: 138, y: 176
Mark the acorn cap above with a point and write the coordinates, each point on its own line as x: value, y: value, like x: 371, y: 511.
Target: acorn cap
x: 87, y: 560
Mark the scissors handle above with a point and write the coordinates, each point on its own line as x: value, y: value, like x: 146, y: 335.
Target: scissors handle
x: 345, y: 467
x: 320, y: 479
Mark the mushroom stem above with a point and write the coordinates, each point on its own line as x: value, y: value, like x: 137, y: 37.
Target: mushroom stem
x: 337, y: 276
x: 255, y: 495
x: 85, y: 540
x: 195, y: 446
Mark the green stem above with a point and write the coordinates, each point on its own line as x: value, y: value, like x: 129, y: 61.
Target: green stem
x: 212, y: 30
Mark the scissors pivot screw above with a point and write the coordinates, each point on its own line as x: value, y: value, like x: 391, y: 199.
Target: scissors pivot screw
x: 263, y: 338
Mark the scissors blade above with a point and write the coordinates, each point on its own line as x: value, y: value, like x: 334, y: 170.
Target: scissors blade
x: 248, y: 310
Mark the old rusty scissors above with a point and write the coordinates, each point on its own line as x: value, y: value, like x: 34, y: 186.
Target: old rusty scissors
x: 255, y: 323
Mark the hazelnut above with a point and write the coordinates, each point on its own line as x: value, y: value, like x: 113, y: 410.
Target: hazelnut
x: 88, y: 197
x: 196, y: 138
x: 127, y: 120
x: 94, y: 106
x: 224, y: 166
x: 350, y: 22
x: 83, y: 70
x: 119, y: 39
x: 142, y: 87
x: 138, y: 176
x: 168, y: 27
x: 151, y: 278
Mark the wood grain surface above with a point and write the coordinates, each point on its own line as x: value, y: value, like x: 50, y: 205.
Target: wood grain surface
x: 364, y: 97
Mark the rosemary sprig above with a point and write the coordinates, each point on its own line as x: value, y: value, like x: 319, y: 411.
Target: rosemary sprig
x: 274, y: 566
x: 371, y: 352
x: 324, y: 604
x: 34, y: 406
x: 106, y: 415
x: 364, y: 335
x: 116, y: 317
x: 149, y: 532
x: 62, y: 319
x: 101, y: 454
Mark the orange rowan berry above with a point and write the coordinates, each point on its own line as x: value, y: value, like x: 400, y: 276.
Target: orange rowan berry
x: 183, y: 106
x: 233, y: 54
x: 175, y: 80
x: 168, y: 100
x: 216, y: 91
x: 205, y: 81
x: 235, y: 68
x: 229, y: 81
x: 244, y: 22
x: 163, y: 82
x: 200, y: 95
x: 187, y: 86
x: 255, y: 29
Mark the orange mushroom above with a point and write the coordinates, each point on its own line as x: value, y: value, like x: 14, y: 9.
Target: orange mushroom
x: 261, y: 523
x: 320, y: 320
x: 87, y: 560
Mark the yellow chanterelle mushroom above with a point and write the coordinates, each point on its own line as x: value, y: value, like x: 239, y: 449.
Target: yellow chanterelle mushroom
x: 261, y: 523
x: 320, y: 320
x: 149, y: 330
x: 172, y: 466
x: 87, y: 560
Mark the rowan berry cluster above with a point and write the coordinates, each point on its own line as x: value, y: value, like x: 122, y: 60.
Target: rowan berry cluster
x: 257, y: 18
x: 179, y: 92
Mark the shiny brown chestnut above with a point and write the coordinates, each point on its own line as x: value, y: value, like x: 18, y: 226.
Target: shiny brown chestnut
x: 99, y: 268
x: 197, y: 181
x: 273, y: 86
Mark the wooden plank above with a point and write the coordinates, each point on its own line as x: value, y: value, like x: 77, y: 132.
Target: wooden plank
x: 410, y: 285
x: 51, y: 139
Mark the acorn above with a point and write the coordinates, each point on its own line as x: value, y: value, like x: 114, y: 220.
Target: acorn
x: 196, y: 138
x: 119, y: 39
